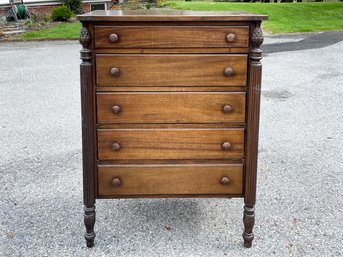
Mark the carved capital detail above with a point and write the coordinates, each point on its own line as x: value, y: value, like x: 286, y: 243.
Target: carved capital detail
x: 85, y: 38
x: 85, y: 41
x: 257, y: 37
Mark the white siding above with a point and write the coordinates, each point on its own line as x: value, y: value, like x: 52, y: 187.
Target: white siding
x: 6, y: 2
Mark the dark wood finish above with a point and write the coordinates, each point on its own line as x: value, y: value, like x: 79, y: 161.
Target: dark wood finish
x: 88, y: 133
x: 115, y: 147
x: 172, y: 89
x: 223, y: 125
x: 227, y: 108
x: 115, y: 108
x: 115, y: 72
x: 231, y: 37
x: 143, y: 144
x: 170, y: 179
x: 89, y: 221
x: 220, y: 50
x: 168, y: 15
x: 171, y: 70
x: 253, y: 113
x: 116, y: 182
x: 113, y: 38
x: 174, y: 162
x: 170, y: 107
x: 225, y: 181
x: 172, y: 37
x: 228, y: 72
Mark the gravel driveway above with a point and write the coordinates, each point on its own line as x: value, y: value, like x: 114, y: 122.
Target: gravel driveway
x: 300, y: 178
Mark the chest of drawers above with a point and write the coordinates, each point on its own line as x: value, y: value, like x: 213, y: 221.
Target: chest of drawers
x: 170, y: 107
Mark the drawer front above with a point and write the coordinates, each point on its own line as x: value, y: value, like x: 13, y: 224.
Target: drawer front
x: 171, y: 70
x: 133, y: 144
x: 171, y: 37
x: 170, y: 107
x: 128, y: 180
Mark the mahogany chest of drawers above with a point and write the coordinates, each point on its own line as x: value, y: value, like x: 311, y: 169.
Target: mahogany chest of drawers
x: 170, y: 107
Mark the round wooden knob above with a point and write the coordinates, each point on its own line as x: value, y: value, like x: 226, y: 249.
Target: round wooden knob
x: 225, y: 181
x: 116, y: 109
x: 115, y: 147
x: 226, y: 146
x: 228, y: 72
x: 116, y: 182
x: 227, y: 108
x: 230, y: 37
x: 113, y: 37
x: 115, y: 72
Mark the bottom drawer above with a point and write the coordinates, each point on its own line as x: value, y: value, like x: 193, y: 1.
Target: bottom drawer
x: 126, y: 180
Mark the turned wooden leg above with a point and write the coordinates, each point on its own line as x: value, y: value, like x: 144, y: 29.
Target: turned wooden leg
x: 89, y: 219
x: 248, y: 220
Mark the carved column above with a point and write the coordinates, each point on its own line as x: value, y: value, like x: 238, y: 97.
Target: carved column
x: 254, y: 92
x: 88, y: 134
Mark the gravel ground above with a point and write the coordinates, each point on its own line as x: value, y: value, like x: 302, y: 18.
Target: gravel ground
x: 300, y: 190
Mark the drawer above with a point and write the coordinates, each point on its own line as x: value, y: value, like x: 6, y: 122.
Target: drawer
x: 136, y: 144
x: 170, y: 107
x: 147, y: 70
x: 171, y: 37
x: 117, y: 180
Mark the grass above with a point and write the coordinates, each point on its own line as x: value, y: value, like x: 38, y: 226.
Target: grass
x: 283, y: 18
x: 67, y: 30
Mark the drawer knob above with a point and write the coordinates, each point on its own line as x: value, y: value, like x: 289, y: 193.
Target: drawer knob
x: 116, y: 182
x: 115, y: 147
x: 224, y: 181
x: 227, y: 108
x: 228, y: 72
x: 226, y: 146
x: 115, y: 72
x: 116, y: 109
x: 230, y: 37
x: 114, y: 37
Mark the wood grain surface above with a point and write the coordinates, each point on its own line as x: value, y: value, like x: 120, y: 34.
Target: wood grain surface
x: 170, y: 143
x: 169, y: 179
x: 170, y: 37
x: 167, y: 15
x: 171, y: 70
x: 170, y: 107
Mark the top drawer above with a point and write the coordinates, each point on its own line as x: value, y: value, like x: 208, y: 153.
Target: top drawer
x: 170, y: 37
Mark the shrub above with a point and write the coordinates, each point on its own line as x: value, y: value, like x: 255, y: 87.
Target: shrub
x: 61, y: 13
x: 74, y: 5
x: 148, y: 4
x: 132, y: 4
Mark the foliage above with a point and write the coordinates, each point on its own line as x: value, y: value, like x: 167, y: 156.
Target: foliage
x: 74, y: 5
x: 61, y: 13
x: 37, y: 21
x: 283, y: 18
x: 61, y: 31
x: 132, y: 5
x: 160, y: 3
x: 148, y: 4
x: 298, y: 17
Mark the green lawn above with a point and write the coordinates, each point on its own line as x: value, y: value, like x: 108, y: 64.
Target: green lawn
x: 68, y: 30
x: 283, y: 18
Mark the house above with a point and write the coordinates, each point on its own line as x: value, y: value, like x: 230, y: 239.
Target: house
x: 43, y: 8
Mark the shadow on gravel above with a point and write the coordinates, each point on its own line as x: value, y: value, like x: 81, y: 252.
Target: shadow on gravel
x: 313, y: 41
